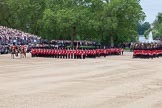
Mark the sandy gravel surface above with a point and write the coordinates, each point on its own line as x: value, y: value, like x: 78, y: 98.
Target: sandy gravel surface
x: 111, y: 82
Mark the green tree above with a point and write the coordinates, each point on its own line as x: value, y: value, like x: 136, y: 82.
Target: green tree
x: 157, y: 30
x: 142, y: 27
x: 107, y: 21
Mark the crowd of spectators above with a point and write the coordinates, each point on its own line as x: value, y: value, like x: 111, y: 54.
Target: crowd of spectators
x: 146, y: 46
x: 8, y: 36
x: 65, y: 43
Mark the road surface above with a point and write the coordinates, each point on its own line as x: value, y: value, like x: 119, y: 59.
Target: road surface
x: 111, y: 82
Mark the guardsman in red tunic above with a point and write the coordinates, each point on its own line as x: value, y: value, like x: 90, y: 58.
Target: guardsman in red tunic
x: 39, y: 52
x: 42, y: 52
x: 80, y: 54
x: 84, y: 53
x: 104, y: 52
x: 76, y: 53
x: 63, y: 53
x: 87, y: 52
x: 108, y: 51
x: 45, y: 52
x: 70, y: 51
x: 33, y: 51
x: 111, y: 51
x: 94, y: 53
x: 53, y: 52
x: 48, y: 52
x: 98, y: 52
x: 73, y: 53
x: 91, y: 53
x: 122, y: 51
x: 67, y: 52
x: 59, y: 53
x: 56, y: 52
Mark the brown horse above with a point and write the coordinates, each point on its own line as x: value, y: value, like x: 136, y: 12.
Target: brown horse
x: 22, y: 51
x: 14, y: 51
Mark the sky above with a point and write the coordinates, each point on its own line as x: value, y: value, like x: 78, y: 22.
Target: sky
x: 151, y: 9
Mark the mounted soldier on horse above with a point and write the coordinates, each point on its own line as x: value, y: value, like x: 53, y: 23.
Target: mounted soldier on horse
x: 22, y: 51
x: 14, y: 51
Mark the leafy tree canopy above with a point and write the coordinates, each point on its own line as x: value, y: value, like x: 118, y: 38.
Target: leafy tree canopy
x: 107, y: 21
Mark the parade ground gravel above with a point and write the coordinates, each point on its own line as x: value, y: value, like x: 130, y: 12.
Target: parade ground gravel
x: 111, y: 82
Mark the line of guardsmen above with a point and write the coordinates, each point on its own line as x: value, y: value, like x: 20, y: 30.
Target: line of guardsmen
x: 74, y: 53
x: 147, y: 50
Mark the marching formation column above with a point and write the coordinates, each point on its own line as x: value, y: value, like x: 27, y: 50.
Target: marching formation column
x: 73, y: 53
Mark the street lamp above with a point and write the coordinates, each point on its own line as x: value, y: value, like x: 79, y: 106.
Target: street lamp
x: 27, y: 27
